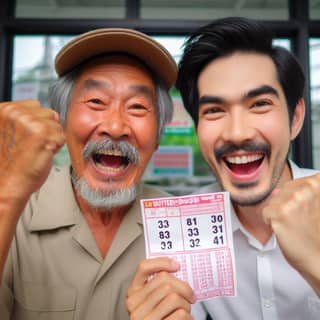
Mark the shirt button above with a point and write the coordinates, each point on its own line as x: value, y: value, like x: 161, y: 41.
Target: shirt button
x: 267, y: 303
x: 261, y: 254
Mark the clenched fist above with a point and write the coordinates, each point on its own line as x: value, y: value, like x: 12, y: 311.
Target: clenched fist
x: 294, y: 215
x: 30, y: 135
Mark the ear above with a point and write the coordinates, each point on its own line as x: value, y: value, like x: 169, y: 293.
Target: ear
x: 298, y: 118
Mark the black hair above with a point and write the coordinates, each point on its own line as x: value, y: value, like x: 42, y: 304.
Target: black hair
x: 225, y: 36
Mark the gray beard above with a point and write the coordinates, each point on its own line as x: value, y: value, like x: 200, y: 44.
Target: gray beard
x: 101, y: 199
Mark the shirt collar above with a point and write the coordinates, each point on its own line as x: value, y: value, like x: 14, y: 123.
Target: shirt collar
x: 298, y: 172
x: 238, y: 227
x: 54, y: 205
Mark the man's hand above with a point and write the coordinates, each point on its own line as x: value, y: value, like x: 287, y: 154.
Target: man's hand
x: 30, y: 135
x: 163, y: 296
x: 294, y: 215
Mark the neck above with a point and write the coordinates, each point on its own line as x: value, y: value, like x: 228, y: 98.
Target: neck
x: 103, y: 224
x: 251, y: 219
x: 251, y: 216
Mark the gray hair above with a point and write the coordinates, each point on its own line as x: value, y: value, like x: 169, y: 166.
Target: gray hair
x: 105, y: 200
x: 60, y: 93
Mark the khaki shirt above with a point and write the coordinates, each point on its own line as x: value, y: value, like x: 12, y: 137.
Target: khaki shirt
x: 55, y: 270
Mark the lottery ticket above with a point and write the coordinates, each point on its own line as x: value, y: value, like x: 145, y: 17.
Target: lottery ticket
x: 195, y: 231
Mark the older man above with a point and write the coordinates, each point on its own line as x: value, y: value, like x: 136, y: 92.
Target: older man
x: 71, y: 238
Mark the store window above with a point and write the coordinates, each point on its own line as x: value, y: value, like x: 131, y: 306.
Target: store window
x: 156, y: 9
x: 33, y: 71
x: 74, y: 9
x: 314, y: 9
x: 212, y: 9
x: 315, y: 99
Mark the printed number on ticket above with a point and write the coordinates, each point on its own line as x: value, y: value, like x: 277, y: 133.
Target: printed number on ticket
x: 196, y: 231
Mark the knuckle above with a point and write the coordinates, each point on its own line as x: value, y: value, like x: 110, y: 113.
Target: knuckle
x: 129, y: 304
x: 39, y: 128
x: 286, y: 208
x: 162, y: 276
x: 182, y: 314
x: 187, y: 288
x: 9, y: 110
x: 174, y: 298
x: 295, y: 197
x: 313, y: 182
x: 166, y: 289
x: 133, y: 316
x: 142, y: 267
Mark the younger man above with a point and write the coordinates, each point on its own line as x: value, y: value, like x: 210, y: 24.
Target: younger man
x: 246, y: 99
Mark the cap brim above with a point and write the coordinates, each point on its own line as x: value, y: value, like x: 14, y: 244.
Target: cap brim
x: 110, y: 40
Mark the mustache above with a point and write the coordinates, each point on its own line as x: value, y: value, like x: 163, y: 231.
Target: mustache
x: 246, y: 146
x: 127, y: 150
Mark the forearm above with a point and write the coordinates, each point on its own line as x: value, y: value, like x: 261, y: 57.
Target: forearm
x: 312, y: 274
x: 10, y: 211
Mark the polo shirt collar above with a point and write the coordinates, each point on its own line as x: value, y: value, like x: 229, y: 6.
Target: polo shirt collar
x: 54, y: 204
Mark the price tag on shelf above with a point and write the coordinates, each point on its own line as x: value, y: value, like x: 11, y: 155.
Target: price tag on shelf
x: 196, y: 231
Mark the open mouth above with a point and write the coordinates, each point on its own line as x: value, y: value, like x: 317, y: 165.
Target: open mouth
x: 244, y: 164
x: 111, y: 160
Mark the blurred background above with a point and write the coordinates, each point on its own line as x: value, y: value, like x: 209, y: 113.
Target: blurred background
x: 32, y: 31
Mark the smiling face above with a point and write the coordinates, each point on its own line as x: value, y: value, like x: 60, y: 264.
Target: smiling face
x: 243, y: 129
x: 111, y: 125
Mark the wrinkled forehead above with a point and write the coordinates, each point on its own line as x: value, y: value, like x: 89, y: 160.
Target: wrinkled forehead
x: 118, y: 59
x: 118, y: 73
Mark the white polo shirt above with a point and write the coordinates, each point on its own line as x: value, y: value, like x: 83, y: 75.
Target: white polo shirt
x: 268, y: 287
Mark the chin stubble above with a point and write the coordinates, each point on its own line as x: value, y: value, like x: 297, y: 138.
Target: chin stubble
x: 101, y: 199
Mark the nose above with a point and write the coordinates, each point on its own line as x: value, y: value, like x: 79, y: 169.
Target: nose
x: 114, y: 124
x: 238, y: 128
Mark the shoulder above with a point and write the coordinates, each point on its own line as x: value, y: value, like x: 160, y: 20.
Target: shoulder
x: 148, y: 191
x: 53, y: 196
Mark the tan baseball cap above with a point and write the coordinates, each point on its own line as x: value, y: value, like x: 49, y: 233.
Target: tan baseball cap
x: 110, y: 40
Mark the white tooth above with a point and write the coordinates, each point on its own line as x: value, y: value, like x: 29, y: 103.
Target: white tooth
x: 113, y: 169
x: 244, y: 159
x: 111, y: 153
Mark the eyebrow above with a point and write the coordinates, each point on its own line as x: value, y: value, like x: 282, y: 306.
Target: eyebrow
x: 210, y: 99
x: 94, y: 84
x: 144, y: 90
x: 264, y: 89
